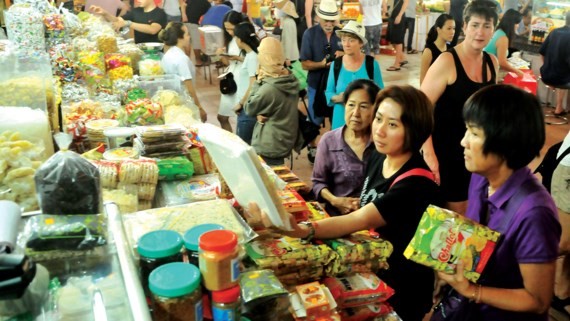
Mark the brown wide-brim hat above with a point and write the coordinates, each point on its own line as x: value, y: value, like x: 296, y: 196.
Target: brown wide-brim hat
x: 288, y: 7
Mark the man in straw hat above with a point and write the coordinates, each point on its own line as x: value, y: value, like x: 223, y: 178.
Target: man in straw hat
x: 286, y: 13
x: 319, y: 48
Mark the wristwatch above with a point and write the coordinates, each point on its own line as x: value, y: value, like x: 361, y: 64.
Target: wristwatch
x: 311, y: 235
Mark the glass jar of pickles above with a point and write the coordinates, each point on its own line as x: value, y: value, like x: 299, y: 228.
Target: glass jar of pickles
x: 219, y: 259
x: 157, y: 248
x: 176, y: 292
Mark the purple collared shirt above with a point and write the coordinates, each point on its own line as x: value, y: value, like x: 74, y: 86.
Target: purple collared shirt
x: 531, y: 237
x: 338, y: 168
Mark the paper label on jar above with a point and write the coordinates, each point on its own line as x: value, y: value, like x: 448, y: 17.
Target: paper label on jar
x: 223, y: 314
x: 198, y: 311
x: 235, y: 269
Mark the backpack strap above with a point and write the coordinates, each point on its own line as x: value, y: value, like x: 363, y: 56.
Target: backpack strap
x: 370, y: 67
x: 564, y: 154
x: 336, y: 70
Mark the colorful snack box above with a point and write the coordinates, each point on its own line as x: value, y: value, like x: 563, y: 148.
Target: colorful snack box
x: 443, y: 238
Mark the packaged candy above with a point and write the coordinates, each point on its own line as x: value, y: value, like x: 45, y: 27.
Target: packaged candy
x: 65, y: 232
x: 67, y: 183
x: 107, y: 44
x: 25, y: 27
x: 443, y: 238
x: 118, y: 66
x: 143, y: 112
x: 260, y: 286
x: 359, y: 289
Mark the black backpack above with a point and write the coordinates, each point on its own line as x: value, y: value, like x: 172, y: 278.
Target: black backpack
x: 549, y: 164
x: 320, y: 105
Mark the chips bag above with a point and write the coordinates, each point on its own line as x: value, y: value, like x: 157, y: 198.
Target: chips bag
x: 443, y: 238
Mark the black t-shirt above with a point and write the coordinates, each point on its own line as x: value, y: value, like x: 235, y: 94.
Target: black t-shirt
x: 556, y: 52
x: 402, y: 207
x: 195, y: 9
x: 139, y: 16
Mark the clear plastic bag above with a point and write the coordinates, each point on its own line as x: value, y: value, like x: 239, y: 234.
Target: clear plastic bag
x: 67, y: 183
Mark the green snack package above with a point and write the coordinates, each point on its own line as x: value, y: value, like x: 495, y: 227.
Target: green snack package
x: 443, y: 238
x: 260, y: 285
x: 175, y: 168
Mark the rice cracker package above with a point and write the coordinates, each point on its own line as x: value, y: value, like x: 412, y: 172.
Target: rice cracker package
x: 443, y: 238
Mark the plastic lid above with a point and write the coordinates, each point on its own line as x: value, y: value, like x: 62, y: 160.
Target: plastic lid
x: 226, y: 296
x: 192, y: 235
x: 218, y: 241
x: 158, y: 244
x: 174, y: 279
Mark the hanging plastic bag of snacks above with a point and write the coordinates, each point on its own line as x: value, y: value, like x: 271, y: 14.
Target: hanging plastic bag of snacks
x: 67, y: 183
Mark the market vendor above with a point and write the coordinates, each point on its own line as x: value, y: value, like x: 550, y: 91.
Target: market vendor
x: 391, y: 203
x: 146, y: 20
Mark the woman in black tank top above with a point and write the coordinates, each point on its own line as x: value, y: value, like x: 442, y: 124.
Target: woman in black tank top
x: 449, y: 82
x: 438, y: 38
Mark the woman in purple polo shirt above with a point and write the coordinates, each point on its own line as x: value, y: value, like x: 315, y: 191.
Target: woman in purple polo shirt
x: 338, y: 172
x: 505, y: 131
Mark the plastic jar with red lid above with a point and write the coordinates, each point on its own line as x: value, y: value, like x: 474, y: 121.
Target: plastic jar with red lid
x: 226, y: 304
x: 219, y: 259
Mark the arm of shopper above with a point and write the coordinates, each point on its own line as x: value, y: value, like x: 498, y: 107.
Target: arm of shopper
x: 125, y: 7
x: 330, y: 93
x: 192, y: 91
x: 398, y: 19
x: 98, y: 11
x: 243, y: 100
x: 309, y: 13
x: 182, y: 6
x: 314, y: 65
x: 438, y: 76
x: 424, y: 64
x: 502, y: 52
x: 151, y: 29
x: 344, y: 204
x: 384, y: 8
x: 534, y: 297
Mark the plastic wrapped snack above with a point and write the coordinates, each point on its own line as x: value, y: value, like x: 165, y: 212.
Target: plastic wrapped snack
x: 259, y: 286
x: 167, y: 98
x: 25, y: 27
x: 64, y: 232
x: 118, y: 66
x: 182, y: 218
x: 144, y: 112
x: 443, y: 238
x: 108, y: 172
x: 197, y: 188
x: 127, y: 202
x: 107, y: 44
x: 359, y: 289
x: 286, y: 254
x: 138, y: 171
x: 67, y: 183
x: 174, y: 168
x: 160, y: 133
x: 174, y: 145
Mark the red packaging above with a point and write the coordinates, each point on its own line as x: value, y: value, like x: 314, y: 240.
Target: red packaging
x: 526, y: 83
x: 359, y: 289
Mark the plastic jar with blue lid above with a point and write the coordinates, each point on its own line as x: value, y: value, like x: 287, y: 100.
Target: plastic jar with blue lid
x: 191, y: 238
x: 157, y: 248
x: 176, y: 292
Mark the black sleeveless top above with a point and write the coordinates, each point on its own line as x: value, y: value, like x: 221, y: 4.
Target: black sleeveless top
x: 449, y: 129
x: 435, y: 52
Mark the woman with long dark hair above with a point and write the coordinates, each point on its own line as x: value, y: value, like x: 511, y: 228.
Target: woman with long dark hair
x: 438, y: 39
x: 230, y: 57
x: 503, y: 36
x: 247, y: 41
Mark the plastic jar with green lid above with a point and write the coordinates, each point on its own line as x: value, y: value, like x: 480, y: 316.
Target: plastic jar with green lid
x: 191, y: 238
x: 157, y: 248
x: 176, y: 292
x: 226, y: 304
x: 219, y: 259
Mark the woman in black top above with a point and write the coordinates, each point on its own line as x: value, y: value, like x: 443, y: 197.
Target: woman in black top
x: 437, y: 41
x: 391, y: 203
x: 449, y: 82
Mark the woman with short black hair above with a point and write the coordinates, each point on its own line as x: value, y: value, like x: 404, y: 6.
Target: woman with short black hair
x: 505, y: 132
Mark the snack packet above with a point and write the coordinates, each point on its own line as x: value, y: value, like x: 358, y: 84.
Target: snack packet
x: 443, y: 238
x: 359, y: 289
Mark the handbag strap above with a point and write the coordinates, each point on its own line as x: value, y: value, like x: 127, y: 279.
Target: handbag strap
x: 412, y: 172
